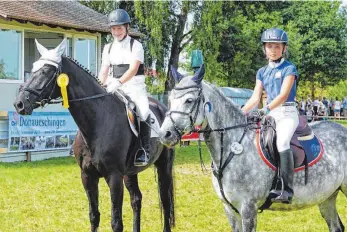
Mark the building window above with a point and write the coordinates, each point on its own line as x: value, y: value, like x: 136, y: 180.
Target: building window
x: 69, y: 47
x: 31, y: 54
x: 10, y: 54
x: 85, y: 53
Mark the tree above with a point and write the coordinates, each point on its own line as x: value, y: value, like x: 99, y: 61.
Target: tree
x: 103, y: 7
x: 322, y: 29
x: 229, y: 35
x: 165, y: 22
x: 339, y: 90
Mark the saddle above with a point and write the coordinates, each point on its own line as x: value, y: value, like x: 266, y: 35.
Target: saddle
x: 306, y: 146
x: 307, y: 149
x: 132, y: 113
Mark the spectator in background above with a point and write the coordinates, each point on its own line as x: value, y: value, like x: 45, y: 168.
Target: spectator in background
x: 302, y: 108
x: 331, y: 107
x: 326, y: 105
x: 316, y: 105
x: 344, y: 106
x: 337, y: 108
x: 309, y: 102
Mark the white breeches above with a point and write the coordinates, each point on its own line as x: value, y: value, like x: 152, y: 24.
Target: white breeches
x: 287, y: 120
x: 138, y: 94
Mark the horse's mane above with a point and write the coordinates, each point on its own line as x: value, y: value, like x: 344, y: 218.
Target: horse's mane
x: 88, y: 73
x: 222, y: 95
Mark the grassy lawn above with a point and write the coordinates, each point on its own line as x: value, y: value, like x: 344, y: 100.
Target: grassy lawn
x: 48, y: 196
x: 343, y: 122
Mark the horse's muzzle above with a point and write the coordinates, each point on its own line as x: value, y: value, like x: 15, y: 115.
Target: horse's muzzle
x: 20, y: 108
x: 168, y: 138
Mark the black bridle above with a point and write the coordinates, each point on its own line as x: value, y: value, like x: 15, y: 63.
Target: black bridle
x: 44, y: 101
x: 192, y: 118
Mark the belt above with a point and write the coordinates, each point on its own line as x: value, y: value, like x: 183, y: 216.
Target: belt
x: 289, y: 104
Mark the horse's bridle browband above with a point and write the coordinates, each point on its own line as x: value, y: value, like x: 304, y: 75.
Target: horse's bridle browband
x: 43, y: 101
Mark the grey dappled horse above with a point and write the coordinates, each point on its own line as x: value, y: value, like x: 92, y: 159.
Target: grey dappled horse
x: 246, y: 179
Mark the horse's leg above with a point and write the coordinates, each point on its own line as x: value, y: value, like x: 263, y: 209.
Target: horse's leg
x: 115, y: 183
x: 249, y: 216
x: 234, y: 220
x: 131, y: 183
x: 164, y: 167
x: 90, y: 183
x: 328, y: 211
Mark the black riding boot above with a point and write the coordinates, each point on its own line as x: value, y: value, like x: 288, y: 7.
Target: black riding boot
x: 286, y: 174
x: 142, y: 155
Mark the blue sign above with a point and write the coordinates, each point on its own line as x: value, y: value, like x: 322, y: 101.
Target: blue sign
x: 41, y: 131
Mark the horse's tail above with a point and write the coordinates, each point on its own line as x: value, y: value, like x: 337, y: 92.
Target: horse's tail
x: 164, y: 167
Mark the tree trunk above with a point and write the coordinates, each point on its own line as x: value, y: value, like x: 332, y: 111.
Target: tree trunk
x: 175, y: 48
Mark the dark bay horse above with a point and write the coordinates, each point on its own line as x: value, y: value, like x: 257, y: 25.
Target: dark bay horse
x: 242, y: 180
x: 105, y: 145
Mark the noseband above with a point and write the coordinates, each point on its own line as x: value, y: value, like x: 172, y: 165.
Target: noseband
x: 43, y: 101
x: 190, y: 114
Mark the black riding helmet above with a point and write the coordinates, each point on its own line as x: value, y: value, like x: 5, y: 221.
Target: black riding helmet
x: 118, y: 17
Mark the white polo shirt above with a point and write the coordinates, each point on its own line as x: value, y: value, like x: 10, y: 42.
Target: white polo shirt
x: 121, y: 54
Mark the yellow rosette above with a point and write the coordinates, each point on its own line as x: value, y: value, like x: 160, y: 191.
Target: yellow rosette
x: 63, y: 81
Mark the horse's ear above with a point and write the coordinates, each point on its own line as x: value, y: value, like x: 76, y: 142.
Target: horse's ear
x: 61, y: 47
x: 199, y: 75
x: 40, y: 48
x: 176, y: 75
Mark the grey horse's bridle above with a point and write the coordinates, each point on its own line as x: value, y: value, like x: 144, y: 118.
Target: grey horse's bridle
x: 190, y: 114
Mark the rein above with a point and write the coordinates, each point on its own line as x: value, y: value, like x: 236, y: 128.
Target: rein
x: 216, y: 170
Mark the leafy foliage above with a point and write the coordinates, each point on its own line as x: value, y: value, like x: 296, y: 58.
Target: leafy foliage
x: 228, y: 33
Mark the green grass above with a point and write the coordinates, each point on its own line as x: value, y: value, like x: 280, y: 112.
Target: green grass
x: 343, y: 122
x: 48, y: 196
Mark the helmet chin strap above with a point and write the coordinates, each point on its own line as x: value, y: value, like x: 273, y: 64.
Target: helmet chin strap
x: 276, y: 63
x: 126, y: 34
x: 123, y: 38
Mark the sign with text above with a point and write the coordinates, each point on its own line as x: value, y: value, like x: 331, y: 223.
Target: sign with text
x: 41, y: 131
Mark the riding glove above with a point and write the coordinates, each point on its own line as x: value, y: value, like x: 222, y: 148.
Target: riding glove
x: 264, y: 111
x: 112, y: 85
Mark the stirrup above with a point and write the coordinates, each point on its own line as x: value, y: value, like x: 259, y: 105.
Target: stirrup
x: 141, y: 153
x: 281, y: 196
x: 285, y: 198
